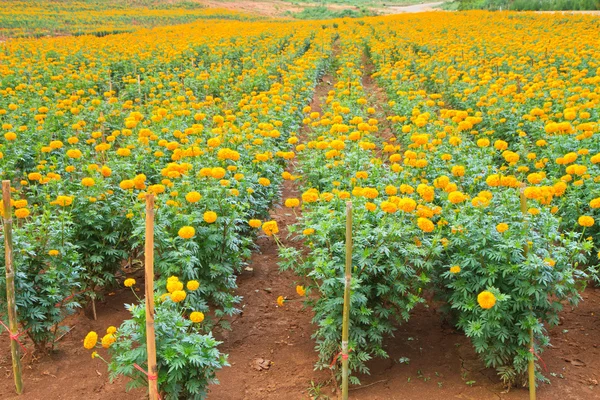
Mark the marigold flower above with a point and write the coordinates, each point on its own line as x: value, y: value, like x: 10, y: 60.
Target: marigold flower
x: 308, y: 231
x: 388, y: 207
x: 193, y: 197
x: 192, y: 285
x: 129, y: 282
x: 53, y: 253
x: 63, y: 201
x: 111, y: 330
x: 586, y: 221
x: 22, y: 213
x: 264, y: 181
x: 280, y: 301
x: 197, y: 317
x: 425, y: 224
x: 174, y: 285
x: 455, y: 269
x: 456, y: 197
x: 178, y: 295
x: 90, y: 340
x: 291, y: 203
x: 94, y: 354
x: 255, y: 223
x: 300, y: 290
x: 186, y: 232
x: 87, y: 182
x: 20, y: 203
x: 486, y: 299
x: 107, y: 340
x: 210, y: 217
x: 270, y: 228
x: 502, y: 227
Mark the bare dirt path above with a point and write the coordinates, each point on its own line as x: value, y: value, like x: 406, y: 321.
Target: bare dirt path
x: 271, y: 352
x: 416, y: 8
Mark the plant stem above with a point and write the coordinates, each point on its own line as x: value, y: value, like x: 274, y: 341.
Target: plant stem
x: 346, y: 312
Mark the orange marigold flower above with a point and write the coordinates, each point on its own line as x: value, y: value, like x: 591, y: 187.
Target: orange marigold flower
x: 300, y: 290
x: 22, y: 213
x: 455, y: 269
x: 270, y: 228
x: 425, y: 224
x: 291, y: 203
x: 502, y: 227
x: 486, y: 299
x: 210, y: 217
x: 186, y: 232
x: 90, y: 340
x: 586, y: 221
x: 193, y: 197
x: 87, y: 182
x: 178, y: 296
x: 280, y: 301
x: 197, y: 317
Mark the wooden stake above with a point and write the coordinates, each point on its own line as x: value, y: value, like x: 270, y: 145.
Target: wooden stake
x: 531, y: 367
x: 10, y: 286
x: 346, y: 312
x: 149, y: 264
x: 531, y: 363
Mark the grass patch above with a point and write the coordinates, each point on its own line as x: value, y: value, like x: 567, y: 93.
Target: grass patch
x: 322, y: 12
x: 527, y: 5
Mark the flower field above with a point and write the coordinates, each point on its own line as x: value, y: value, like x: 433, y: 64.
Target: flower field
x: 466, y: 142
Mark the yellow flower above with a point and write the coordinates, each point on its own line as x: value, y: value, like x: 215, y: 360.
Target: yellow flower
x: 53, y: 253
x: 20, y: 203
x: 456, y: 197
x: 186, y: 232
x: 94, y: 354
x: 502, y: 227
x: 280, y: 301
x: 455, y: 269
x: 255, y: 223
x: 178, y: 295
x: 308, y: 231
x: 270, y: 228
x: 300, y: 290
x: 90, y: 340
x: 87, y: 182
x: 174, y: 285
x: 586, y: 221
x: 129, y: 282
x: 264, y: 181
x: 486, y: 299
x: 22, y: 213
x: 63, y: 201
x: 193, y: 197
x: 108, y: 339
x: 210, y: 217
x: 193, y: 285
x: 291, y: 203
x: 197, y: 317
x: 425, y: 224
x: 111, y: 330
x: 388, y: 207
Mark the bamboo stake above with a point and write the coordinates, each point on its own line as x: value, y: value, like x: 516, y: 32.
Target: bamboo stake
x: 149, y: 264
x: 346, y: 313
x: 531, y: 363
x: 531, y: 367
x: 10, y: 286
